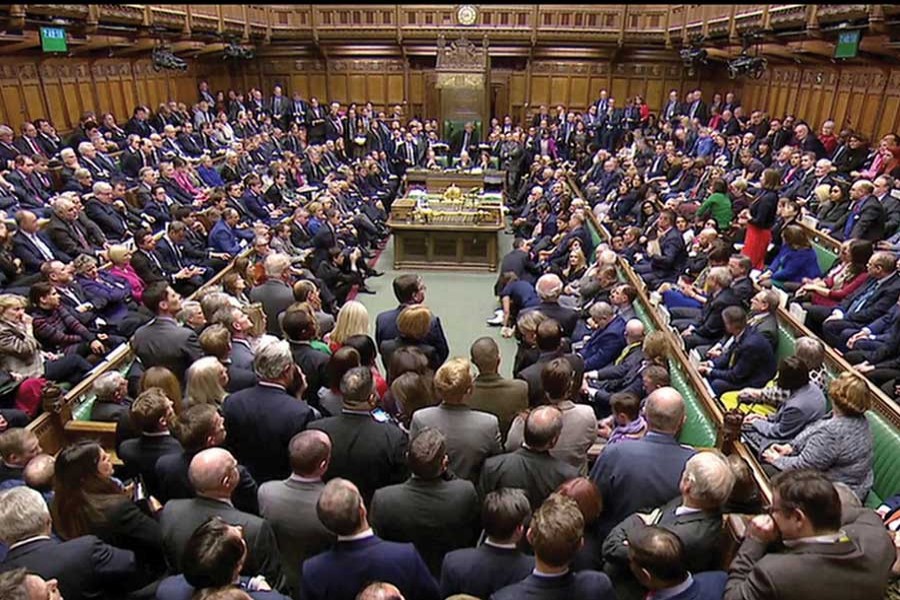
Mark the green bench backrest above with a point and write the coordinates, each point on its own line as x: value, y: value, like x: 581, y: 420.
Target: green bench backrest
x: 887, y: 460
x: 85, y: 408
x: 698, y: 430
x: 826, y: 256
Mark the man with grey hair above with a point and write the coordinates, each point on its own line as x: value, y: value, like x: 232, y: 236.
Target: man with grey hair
x: 88, y: 159
x: 695, y: 517
x: 368, y: 449
x: 607, y: 338
x: 709, y: 327
x: 214, y: 474
x: 101, y: 209
x: 8, y: 152
x: 85, y: 567
x: 261, y: 420
x: 360, y: 557
x: 644, y: 472
x: 111, y: 399
x: 66, y: 231
x: 191, y: 315
x: 276, y: 293
x: 549, y: 287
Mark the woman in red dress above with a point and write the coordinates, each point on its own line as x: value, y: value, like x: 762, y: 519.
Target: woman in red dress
x: 762, y: 217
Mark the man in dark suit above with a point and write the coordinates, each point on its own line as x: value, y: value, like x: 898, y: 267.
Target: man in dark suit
x: 531, y: 467
x: 275, y: 294
x: 668, y: 264
x: 25, y: 186
x: 163, y: 342
x: 496, y: 563
x: 629, y: 359
x: 360, y: 556
x: 32, y: 245
x: 262, y: 420
x: 657, y: 560
x: 290, y: 505
x: 100, y: 208
x: 697, y: 108
x: 214, y: 475
x: 549, y: 342
x: 695, y: 517
x: 709, y: 326
x: 519, y: 262
x: 152, y: 414
x: 645, y: 472
x: 368, y: 451
x: 748, y: 360
x: 828, y: 552
x: 607, y: 339
x: 867, y: 216
x: 465, y: 141
x: 491, y: 393
x: 410, y: 289
x: 299, y: 330
x: 67, y: 232
x: 84, y: 567
x: 435, y: 513
x: 557, y: 533
x: 741, y: 284
x: 549, y: 287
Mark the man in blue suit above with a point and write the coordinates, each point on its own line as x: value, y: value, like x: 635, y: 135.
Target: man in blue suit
x: 32, y: 245
x: 668, y: 264
x: 748, y: 360
x: 645, y: 472
x: 656, y: 558
x: 225, y: 234
x: 360, y: 556
x: 410, y: 289
x: 557, y: 533
x: 607, y: 340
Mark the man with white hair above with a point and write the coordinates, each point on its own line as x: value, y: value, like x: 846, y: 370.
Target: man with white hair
x: 84, y: 567
x: 275, y: 294
x: 709, y: 327
x: 100, y: 208
x: 694, y: 516
x: 88, y: 160
x: 66, y: 231
x: 8, y: 152
x: 549, y: 287
x: 111, y: 401
x: 214, y: 474
x: 262, y: 420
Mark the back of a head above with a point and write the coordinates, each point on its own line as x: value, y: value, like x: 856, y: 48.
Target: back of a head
x: 357, y: 386
x: 542, y: 427
x: 548, y: 287
x: 405, y: 287
x: 338, y: 507
x: 658, y: 552
x: 228, y: 592
x: 23, y: 514
x: 272, y: 360
x: 212, y: 554
x: 557, y: 378
x: 709, y: 478
x: 549, y: 335
x: 308, y: 450
x: 13, y: 585
x: 453, y: 380
x: 209, y: 468
x: 427, y: 451
x: 380, y: 591
x: 502, y: 511
x: 812, y: 493
x: 485, y: 354
x: 585, y: 493
x: 664, y: 410
x: 195, y: 425
x: 297, y: 325
x: 556, y: 530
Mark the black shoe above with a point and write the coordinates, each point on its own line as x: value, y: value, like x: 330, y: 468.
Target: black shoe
x: 364, y: 290
x: 374, y: 273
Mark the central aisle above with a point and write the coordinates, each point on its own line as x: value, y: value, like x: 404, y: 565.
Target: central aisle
x: 463, y: 301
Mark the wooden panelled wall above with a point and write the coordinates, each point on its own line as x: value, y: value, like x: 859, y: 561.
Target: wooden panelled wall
x: 63, y: 88
x: 864, y: 98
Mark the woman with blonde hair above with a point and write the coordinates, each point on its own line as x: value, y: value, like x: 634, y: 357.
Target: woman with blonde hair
x: 206, y: 381
x: 120, y: 257
x: 352, y: 319
x: 413, y: 323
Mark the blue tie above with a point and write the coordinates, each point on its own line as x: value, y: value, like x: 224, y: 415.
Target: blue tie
x: 863, y: 298
x: 851, y: 221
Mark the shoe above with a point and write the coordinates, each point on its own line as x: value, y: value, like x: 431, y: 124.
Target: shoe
x: 496, y: 321
x: 374, y: 273
x: 364, y: 290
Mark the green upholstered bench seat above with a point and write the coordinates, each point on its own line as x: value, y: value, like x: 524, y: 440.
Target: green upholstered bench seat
x: 887, y: 459
x: 826, y: 256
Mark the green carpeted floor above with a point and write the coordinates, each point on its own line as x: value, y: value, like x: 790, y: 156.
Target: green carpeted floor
x: 463, y: 301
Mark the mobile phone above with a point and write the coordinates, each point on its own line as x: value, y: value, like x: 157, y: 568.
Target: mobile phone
x: 379, y: 415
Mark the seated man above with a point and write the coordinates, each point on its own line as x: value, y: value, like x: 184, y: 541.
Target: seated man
x: 748, y: 360
x: 695, y: 517
x: 17, y: 447
x: 557, y: 533
x: 549, y: 287
x: 709, y: 327
x: 828, y: 553
x: 669, y: 261
x: 607, y: 339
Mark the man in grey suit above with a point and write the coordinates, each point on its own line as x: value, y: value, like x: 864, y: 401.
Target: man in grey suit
x: 503, y: 398
x: 695, y: 517
x: 829, y: 554
x: 472, y: 436
x: 531, y: 467
x: 436, y: 514
x: 214, y: 475
x: 276, y: 293
x: 290, y: 505
x: 163, y: 342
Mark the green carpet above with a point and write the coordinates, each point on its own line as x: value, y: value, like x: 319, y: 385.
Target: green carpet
x: 463, y: 301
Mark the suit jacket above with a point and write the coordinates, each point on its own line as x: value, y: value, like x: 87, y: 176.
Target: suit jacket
x: 180, y: 518
x: 176, y: 587
x: 386, y: 329
x: 32, y: 259
x: 261, y: 422
x: 472, y: 436
x: 579, y: 432
x: 583, y: 585
x: 520, y: 263
x: 163, y: 342
x: 867, y: 221
x: 503, y: 398
x: 275, y: 296
x: 857, y: 565
x: 290, y: 507
x: 368, y: 453
x: 483, y: 570
x: 85, y: 567
x: 767, y: 326
x: 604, y: 345
x: 566, y: 317
x: 672, y: 257
x: 876, y: 304
x: 537, y: 473
x: 222, y: 238
x: 436, y: 515
x: 342, y: 572
x: 711, y: 325
x: 532, y: 375
x: 705, y: 586
x: 147, y: 269
x: 313, y: 363
x: 640, y: 474
x: 173, y: 482
x: 749, y: 362
x: 63, y: 235
x: 140, y: 456
x: 110, y: 220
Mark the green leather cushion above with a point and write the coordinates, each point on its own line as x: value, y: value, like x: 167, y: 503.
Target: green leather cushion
x: 887, y: 459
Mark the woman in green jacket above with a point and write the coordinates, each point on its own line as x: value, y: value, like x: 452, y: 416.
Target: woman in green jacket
x: 718, y: 204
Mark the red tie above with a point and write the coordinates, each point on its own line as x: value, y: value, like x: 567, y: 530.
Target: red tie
x: 34, y: 147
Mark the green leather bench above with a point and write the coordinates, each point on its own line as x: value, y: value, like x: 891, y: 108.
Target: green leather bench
x: 825, y: 255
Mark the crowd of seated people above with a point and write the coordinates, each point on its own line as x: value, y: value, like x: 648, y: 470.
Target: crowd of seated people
x: 271, y: 448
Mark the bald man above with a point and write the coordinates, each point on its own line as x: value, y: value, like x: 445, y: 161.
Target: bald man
x: 645, y: 472
x: 214, y: 474
x: 492, y: 393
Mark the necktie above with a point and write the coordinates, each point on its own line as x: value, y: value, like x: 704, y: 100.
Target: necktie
x: 41, y: 246
x: 851, y: 221
x: 863, y: 298
x: 80, y: 236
